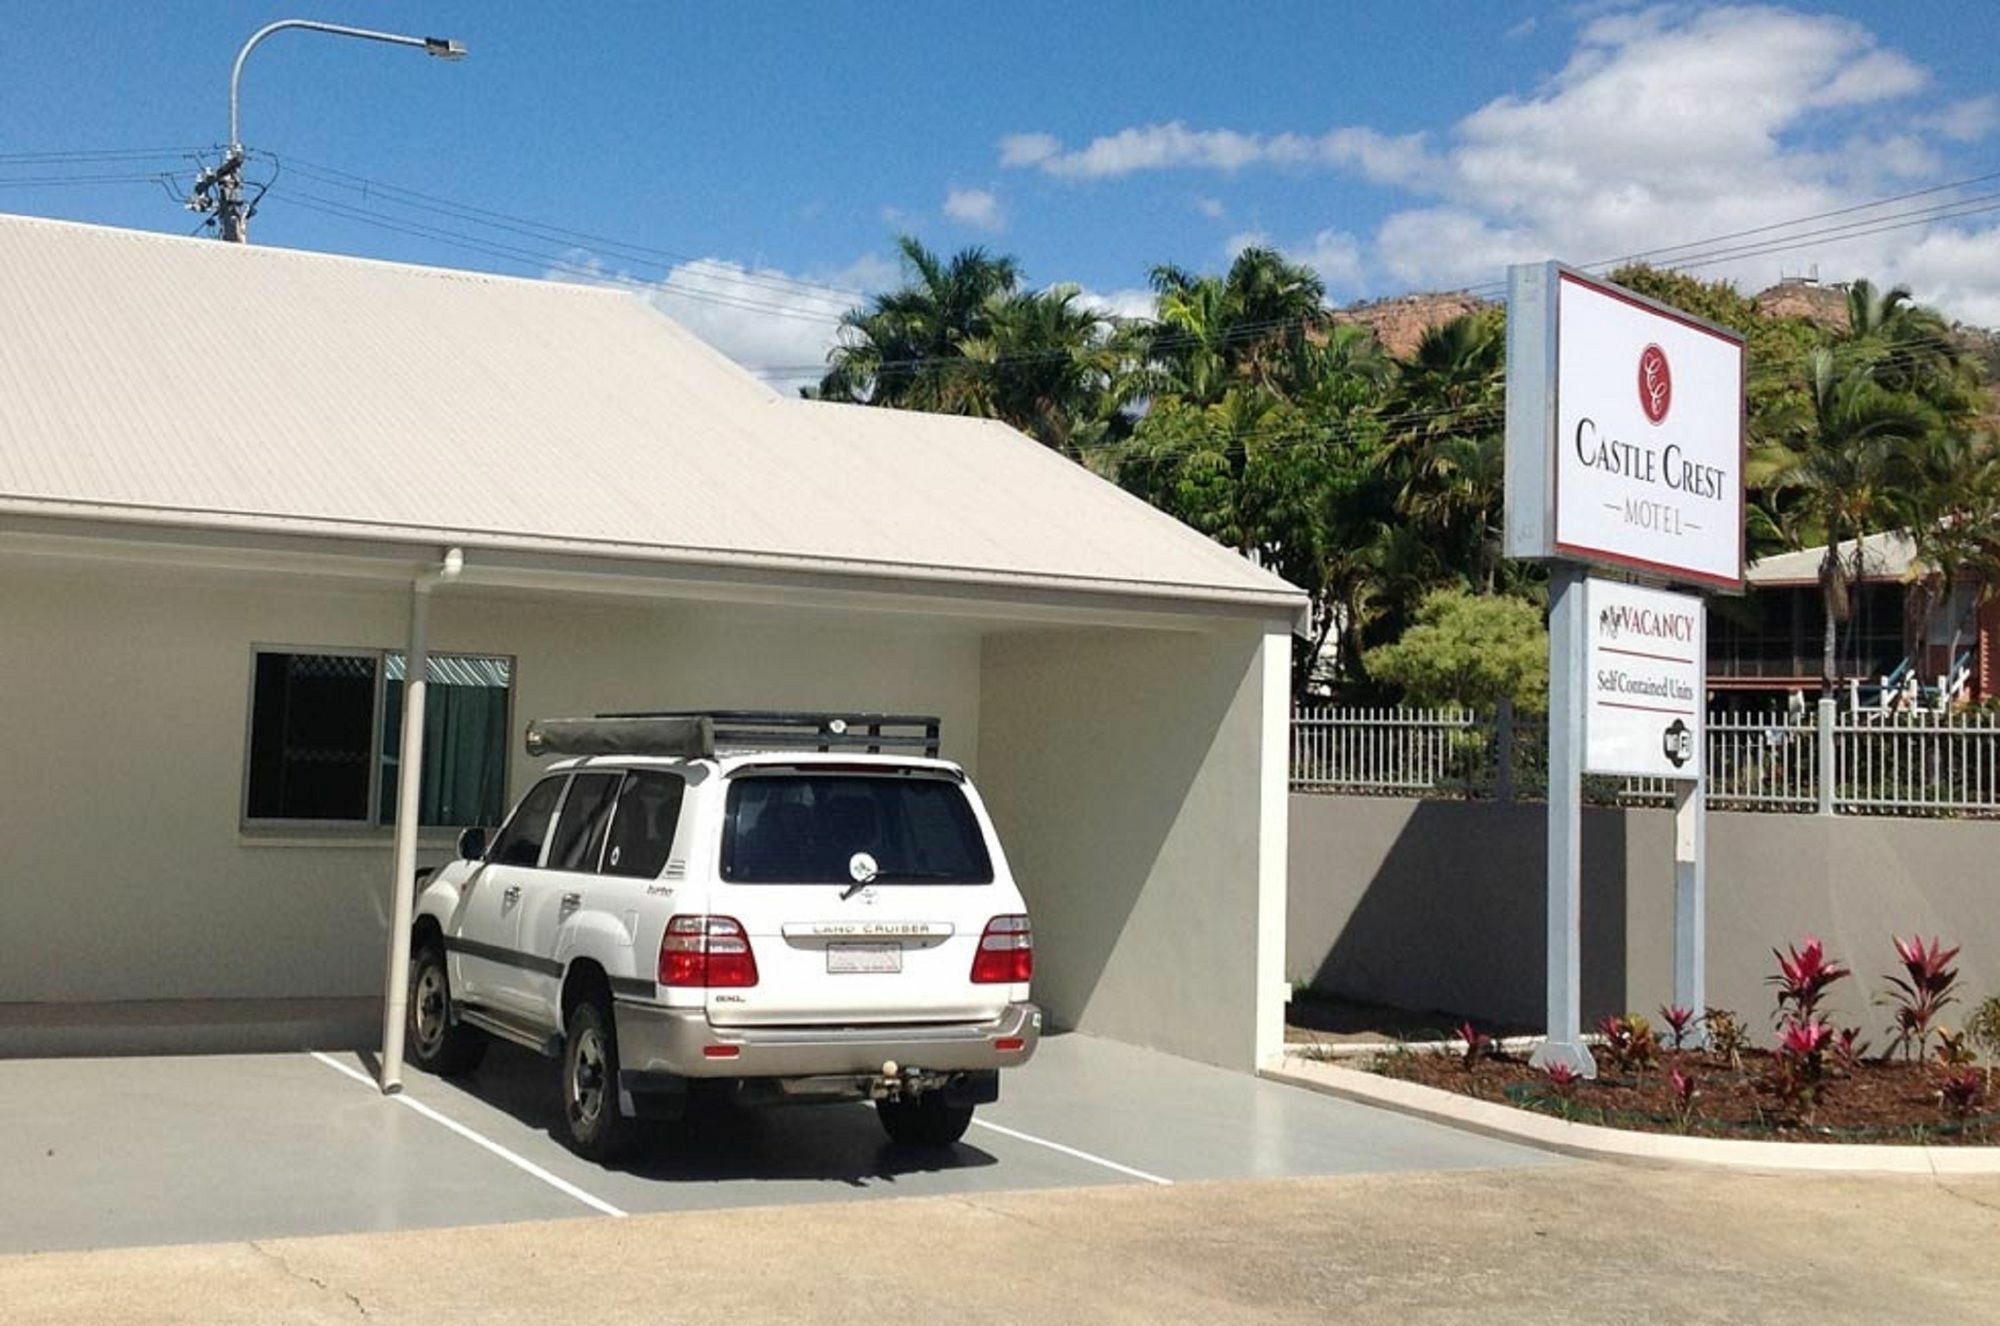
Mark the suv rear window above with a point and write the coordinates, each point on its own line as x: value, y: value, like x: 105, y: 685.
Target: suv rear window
x: 808, y: 828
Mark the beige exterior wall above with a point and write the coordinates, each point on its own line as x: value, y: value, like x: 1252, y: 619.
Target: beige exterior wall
x: 1136, y: 776
x: 1439, y: 905
x: 124, y: 699
x: 1128, y: 774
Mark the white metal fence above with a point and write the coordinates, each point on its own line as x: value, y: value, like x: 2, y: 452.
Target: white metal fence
x: 1898, y: 763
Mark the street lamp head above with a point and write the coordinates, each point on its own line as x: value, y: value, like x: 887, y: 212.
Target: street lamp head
x: 443, y: 48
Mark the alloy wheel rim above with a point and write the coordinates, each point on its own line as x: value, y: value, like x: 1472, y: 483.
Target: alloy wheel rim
x: 430, y: 1007
x: 586, y: 1087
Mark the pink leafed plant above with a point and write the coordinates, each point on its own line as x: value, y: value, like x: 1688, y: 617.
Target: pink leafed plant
x: 1962, y: 1093
x: 1678, y: 1021
x: 1684, y: 1089
x: 1923, y: 991
x: 1849, y: 1049
x: 1804, y: 973
x: 1477, y: 1045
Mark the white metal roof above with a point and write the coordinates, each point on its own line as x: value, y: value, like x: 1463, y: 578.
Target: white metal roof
x: 1887, y: 556
x: 158, y: 379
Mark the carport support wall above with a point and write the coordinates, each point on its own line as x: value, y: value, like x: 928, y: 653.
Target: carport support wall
x: 1137, y: 780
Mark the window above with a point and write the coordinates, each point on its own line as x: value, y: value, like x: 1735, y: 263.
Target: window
x: 642, y: 830
x: 586, y: 812
x: 520, y: 843
x: 807, y: 829
x: 326, y: 731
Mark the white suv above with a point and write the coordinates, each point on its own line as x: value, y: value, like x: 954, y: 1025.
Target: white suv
x: 671, y: 916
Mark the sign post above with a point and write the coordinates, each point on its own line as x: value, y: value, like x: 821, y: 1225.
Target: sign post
x: 1624, y: 454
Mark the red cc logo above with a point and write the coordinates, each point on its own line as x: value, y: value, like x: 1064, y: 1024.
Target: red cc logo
x: 1656, y: 383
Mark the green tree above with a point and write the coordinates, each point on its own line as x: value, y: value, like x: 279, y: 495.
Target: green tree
x: 1446, y: 423
x: 905, y: 348
x: 1247, y: 327
x: 1471, y: 651
x: 1839, y: 458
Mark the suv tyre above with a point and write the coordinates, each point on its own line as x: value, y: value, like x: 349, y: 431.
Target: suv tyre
x: 925, y: 1121
x: 435, y: 1042
x: 597, y: 1130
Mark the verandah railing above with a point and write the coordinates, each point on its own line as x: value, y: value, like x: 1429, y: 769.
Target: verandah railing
x: 1823, y: 760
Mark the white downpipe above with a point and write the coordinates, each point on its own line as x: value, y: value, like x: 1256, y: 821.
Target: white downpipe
x: 409, y: 791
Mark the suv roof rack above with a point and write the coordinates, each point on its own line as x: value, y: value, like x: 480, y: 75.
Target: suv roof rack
x: 765, y: 729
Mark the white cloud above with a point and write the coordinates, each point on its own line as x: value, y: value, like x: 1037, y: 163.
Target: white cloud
x: 1966, y: 121
x: 1120, y: 303
x: 1245, y: 239
x: 974, y: 207
x: 1209, y: 207
x: 1336, y: 256
x: 1665, y: 125
x: 1028, y: 149
x: 1174, y: 146
x: 762, y: 317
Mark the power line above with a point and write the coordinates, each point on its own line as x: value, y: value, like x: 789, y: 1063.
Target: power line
x: 396, y: 195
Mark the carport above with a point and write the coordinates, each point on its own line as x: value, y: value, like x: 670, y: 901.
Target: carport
x: 210, y: 552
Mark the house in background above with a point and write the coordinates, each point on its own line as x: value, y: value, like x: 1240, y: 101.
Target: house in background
x: 1766, y: 647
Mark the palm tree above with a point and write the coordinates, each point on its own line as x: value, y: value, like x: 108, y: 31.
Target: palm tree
x: 1446, y: 431
x: 1949, y: 500
x: 1213, y: 333
x: 1052, y: 368
x: 1839, y: 461
x: 905, y: 348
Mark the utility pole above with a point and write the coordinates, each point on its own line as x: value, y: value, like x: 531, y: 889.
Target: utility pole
x: 221, y: 190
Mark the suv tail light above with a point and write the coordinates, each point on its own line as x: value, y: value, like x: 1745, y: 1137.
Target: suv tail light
x: 706, y: 952
x: 1006, y: 953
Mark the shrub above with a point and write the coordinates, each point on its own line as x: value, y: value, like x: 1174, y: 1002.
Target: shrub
x: 1804, y: 974
x: 1962, y: 1093
x: 1477, y: 1045
x: 1562, y: 1081
x: 1678, y: 1021
x: 1983, y: 1030
x: 1952, y: 1051
x: 1922, y: 992
x: 1849, y: 1049
x: 1726, y: 1036
x: 1684, y: 1090
x: 1629, y: 1041
x: 1797, y: 1075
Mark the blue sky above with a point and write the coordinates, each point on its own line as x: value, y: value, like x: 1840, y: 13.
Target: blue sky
x: 756, y: 155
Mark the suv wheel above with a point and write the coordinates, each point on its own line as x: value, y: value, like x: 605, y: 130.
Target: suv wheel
x: 597, y: 1130
x: 925, y: 1121
x: 434, y: 1042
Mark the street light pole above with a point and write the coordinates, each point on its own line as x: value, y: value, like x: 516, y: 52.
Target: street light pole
x: 227, y: 178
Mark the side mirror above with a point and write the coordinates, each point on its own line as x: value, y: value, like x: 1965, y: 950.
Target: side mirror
x: 471, y: 844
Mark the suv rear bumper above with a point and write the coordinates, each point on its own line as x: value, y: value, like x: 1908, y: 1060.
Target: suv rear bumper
x: 682, y: 1043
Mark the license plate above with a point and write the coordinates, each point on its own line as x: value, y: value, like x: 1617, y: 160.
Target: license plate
x: 864, y: 957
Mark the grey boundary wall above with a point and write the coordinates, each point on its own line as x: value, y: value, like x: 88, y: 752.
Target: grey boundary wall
x: 1438, y: 905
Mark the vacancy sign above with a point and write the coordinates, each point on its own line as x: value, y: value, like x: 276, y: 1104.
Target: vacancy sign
x: 1643, y: 685
x: 1624, y: 433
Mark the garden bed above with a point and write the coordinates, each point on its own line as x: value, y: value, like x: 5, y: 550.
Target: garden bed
x: 1894, y: 1102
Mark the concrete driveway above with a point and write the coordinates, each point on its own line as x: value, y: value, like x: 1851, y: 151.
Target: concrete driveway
x: 122, y: 1152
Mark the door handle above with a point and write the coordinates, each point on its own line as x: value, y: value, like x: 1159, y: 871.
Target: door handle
x: 571, y: 901
x: 510, y: 895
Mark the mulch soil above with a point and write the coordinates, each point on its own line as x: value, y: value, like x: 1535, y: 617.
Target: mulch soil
x: 1892, y: 1102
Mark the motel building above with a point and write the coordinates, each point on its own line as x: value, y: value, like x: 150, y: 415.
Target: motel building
x: 233, y: 479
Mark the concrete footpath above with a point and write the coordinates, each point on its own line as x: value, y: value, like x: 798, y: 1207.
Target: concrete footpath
x: 1581, y: 1242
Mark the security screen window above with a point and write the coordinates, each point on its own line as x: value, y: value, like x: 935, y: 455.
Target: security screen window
x: 325, y: 731
x: 311, y: 724
x: 809, y: 828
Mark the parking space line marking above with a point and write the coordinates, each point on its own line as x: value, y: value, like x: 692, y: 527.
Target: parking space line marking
x: 521, y: 1163
x: 1072, y: 1151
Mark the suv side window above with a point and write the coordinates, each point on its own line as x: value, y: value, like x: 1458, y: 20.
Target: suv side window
x: 642, y: 832
x: 586, y: 812
x: 520, y: 843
